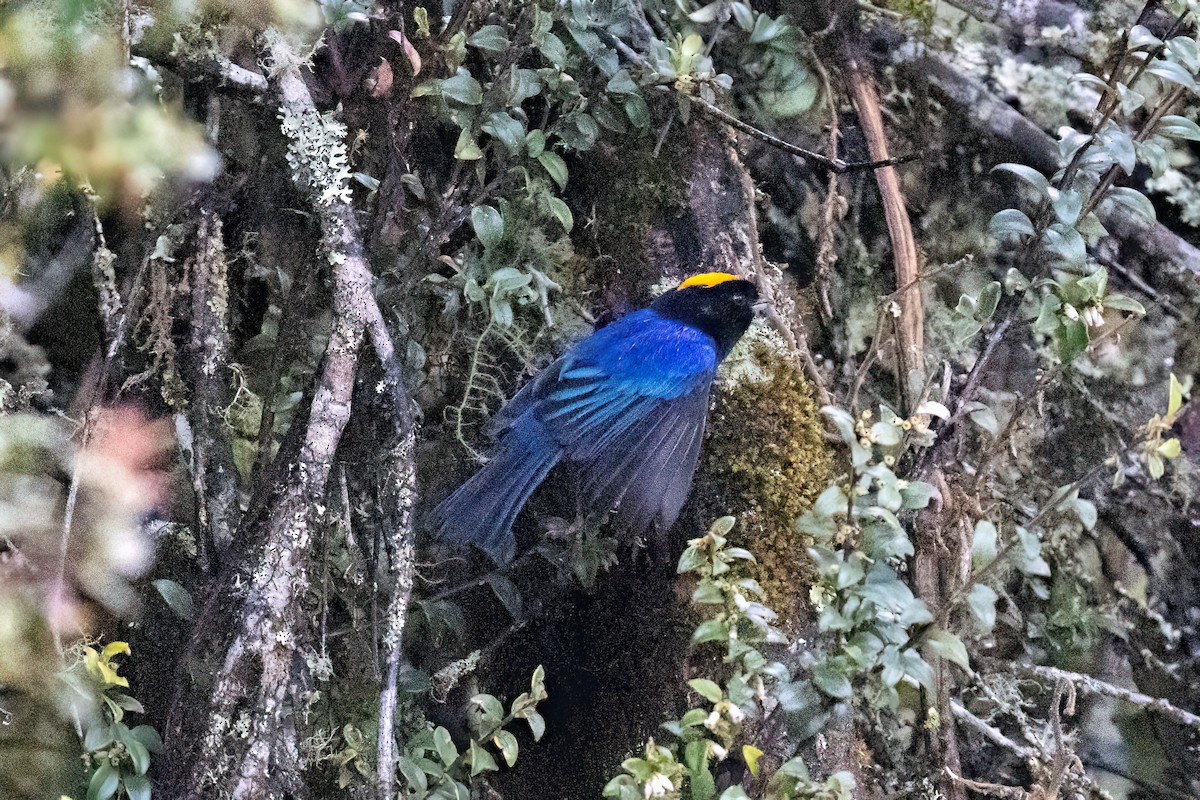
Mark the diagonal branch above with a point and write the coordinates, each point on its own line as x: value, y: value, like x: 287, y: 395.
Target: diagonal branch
x: 1091, y: 685
x: 261, y: 668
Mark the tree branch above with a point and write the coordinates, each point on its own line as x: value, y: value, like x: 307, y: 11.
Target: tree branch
x: 1091, y: 685
x: 260, y: 663
x: 1157, y: 255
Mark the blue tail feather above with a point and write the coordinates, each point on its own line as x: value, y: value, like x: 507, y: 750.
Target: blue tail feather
x: 482, y: 511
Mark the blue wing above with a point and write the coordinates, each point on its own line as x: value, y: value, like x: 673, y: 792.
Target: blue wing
x: 629, y: 407
x: 626, y: 405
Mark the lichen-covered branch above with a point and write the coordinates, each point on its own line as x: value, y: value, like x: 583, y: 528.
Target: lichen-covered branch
x: 1091, y: 685
x: 261, y: 664
x: 213, y: 473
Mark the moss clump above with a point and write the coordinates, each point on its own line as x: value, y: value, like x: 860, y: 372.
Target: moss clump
x: 765, y: 461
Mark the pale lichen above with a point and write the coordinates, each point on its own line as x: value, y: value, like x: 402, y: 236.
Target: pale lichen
x: 317, y: 155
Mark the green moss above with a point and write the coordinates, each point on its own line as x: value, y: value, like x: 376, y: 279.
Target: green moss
x: 634, y: 192
x: 765, y: 462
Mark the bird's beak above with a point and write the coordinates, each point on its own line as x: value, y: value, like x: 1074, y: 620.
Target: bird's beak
x: 760, y: 307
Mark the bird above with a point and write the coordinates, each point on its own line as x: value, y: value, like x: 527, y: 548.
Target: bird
x: 625, y: 408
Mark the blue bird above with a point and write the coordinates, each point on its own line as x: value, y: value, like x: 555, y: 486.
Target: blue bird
x: 625, y: 407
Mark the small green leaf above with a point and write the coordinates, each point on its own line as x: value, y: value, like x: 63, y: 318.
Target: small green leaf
x: 508, y: 746
x: 1131, y: 201
x: 1117, y: 144
x: 489, y: 37
x: 795, y: 768
x: 1122, y: 302
x: 137, y: 787
x: 766, y: 29
x: 710, y: 630
x: 553, y: 49
x: 104, y: 782
x: 138, y: 754
x: 507, y: 593
x: 1047, y: 319
x: 722, y: 526
x: 490, y: 711
x: 1140, y: 38
x: 743, y: 15
x: 98, y: 735
x: 503, y: 127
x: 708, y: 13
x: 832, y: 681
x: 1067, y: 243
x: 1174, y: 397
x: 369, y: 181
x: 561, y: 212
x: 1171, y: 72
x: 1131, y: 99
x: 637, y: 111
x: 1066, y: 204
x: 444, y: 745
x: 488, y: 225
x: 983, y: 544
x: 414, y: 776
x: 462, y: 87
x: 535, y: 142
x: 917, y: 668
x: 1072, y: 339
x: 751, y: 755
x: 413, y: 183
x: 1156, y: 466
x: 983, y: 416
x: 886, y: 434
x: 465, y: 149
x: 1093, y: 285
x: 148, y: 737
x: 177, y: 598
x: 1178, y: 127
x: 740, y: 553
x: 481, y: 760
x: 982, y: 602
x: 831, y: 501
x: 918, y: 494
x: 554, y: 165
x: 522, y: 85
x: 707, y: 689
x: 537, y: 725
x: 1028, y: 174
x: 989, y: 298
x: 1171, y: 448
x: 1031, y: 562
x: 948, y: 646
x: 1086, y: 511
x: 691, y: 558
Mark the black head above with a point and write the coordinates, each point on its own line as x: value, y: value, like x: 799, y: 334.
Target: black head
x: 720, y: 304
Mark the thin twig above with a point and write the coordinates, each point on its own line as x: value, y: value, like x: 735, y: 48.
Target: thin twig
x: 1092, y: 685
x: 991, y: 789
x: 835, y: 165
x: 989, y: 732
x: 1062, y: 753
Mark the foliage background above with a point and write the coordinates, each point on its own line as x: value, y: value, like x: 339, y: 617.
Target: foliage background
x: 266, y: 268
